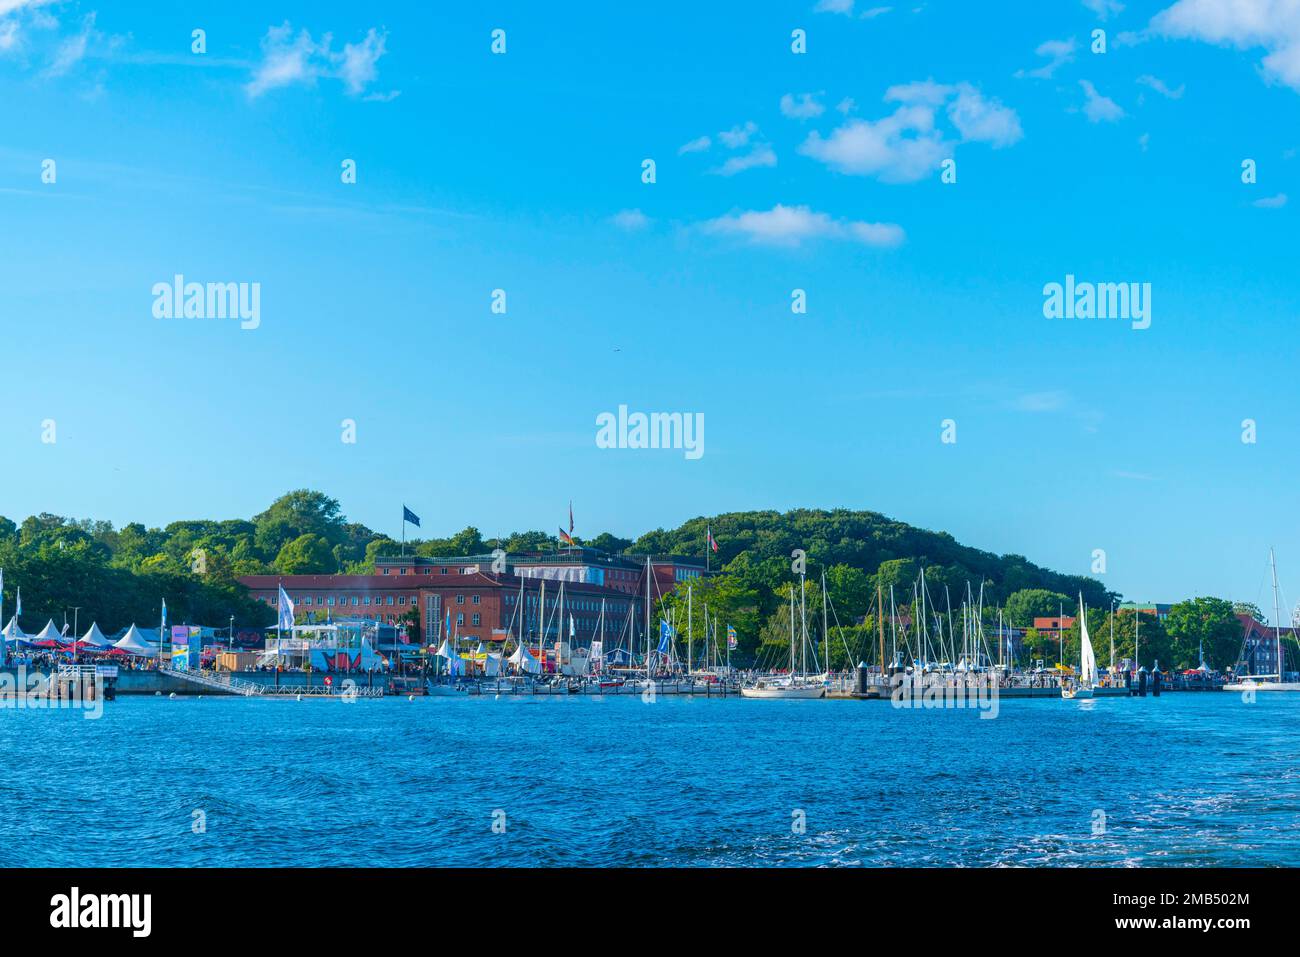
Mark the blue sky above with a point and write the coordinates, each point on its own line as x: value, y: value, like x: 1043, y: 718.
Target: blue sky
x: 522, y: 172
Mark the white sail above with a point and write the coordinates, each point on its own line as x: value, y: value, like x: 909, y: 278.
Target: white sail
x: 1088, y: 661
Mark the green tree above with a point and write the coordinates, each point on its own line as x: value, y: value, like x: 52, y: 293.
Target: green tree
x: 1208, y: 623
x: 305, y: 555
x: 1023, y: 606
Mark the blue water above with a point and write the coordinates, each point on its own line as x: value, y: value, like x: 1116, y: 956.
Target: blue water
x: 1182, y: 780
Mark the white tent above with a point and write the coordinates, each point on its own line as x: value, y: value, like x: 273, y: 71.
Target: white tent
x: 455, y: 666
x: 48, y: 633
x: 134, y: 643
x: 12, y: 632
x: 96, y: 637
x: 523, y: 660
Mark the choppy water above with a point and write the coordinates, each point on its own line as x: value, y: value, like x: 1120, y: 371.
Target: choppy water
x: 1184, y: 779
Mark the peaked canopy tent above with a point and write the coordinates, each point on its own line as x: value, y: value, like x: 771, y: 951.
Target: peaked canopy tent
x: 523, y: 660
x: 133, y: 643
x: 455, y: 666
x: 47, y: 637
x: 96, y: 638
x: 12, y: 632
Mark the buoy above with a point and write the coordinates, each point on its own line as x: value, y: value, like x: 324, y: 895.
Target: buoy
x: 299, y: 697
x: 157, y: 694
x: 172, y: 696
x: 410, y: 697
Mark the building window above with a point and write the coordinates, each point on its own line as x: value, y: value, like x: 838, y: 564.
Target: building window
x: 444, y: 571
x: 475, y: 599
x: 385, y: 571
x: 389, y: 602
x: 460, y: 599
x: 366, y: 600
x: 460, y: 618
x: 476, y: 620
x: 401, y: 599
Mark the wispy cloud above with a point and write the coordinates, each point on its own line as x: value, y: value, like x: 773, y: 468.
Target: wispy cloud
x: 801, y: 107
x: 1271, y: 202
x: 295, y: 59
x: 761, y: 155
x: 739, y: 137
x: 1058, y: 53
x: 1052, y: 401
x: 793, y: 225
x: 1104, y: 9
x: 630, y: 220
x: 1098, y: 108
x: 1161, y: 87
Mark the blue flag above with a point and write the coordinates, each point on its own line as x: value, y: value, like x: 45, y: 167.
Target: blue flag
x: 665, y: 637
x: 409, y: 516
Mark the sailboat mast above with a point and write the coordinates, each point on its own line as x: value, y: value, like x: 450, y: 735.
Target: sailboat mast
x: 1277, y: 615
x: 803, y: 621
x: 826, y: 631
x: 880, y: 621
x: 688, y: 629
x: 792, y: 629
x: 649, y: 571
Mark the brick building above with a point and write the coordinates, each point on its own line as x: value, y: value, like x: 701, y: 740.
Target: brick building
x: 483, y: 606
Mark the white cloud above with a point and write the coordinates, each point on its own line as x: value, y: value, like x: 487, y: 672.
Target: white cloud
x: 298, y: 60
x: 630, y: 220
x: 72, y: 50
x: 760, y: 155
x: 357, y: 67
x: 1104, y: 8
x: 17, y: 6
x: 1059, y: 53
x: 846, y: 105
x: 922, y: 91
x: 1273, y: 25
x: 900, y: 148
x: 1051, y: 401
x: 1098, y: 108
x: 9, y: 37
x: 1161, y: 87
x: 983, y: 120
x: 698, y: 145
x: 834, y: 6
x: 875, y: 12
x: 1271, y: 202
x: 738, y: 136
x: 907, y: 145
x: 801, y: 107
x: 1144, y: 141
x: 792, y: 225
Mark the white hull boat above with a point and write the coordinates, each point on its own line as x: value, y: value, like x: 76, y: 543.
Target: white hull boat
x: 769, y: 690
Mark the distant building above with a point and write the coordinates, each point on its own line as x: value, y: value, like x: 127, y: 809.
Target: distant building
x: 1159, y: 609
x: 589, y: 566
x: 483, y: 607
x: 1259, y: 646
x: 1053, y: 625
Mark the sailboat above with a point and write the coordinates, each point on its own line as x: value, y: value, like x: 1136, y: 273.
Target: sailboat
x: 1087, y: 661
x: 792, y: 685
x: 1269, y: 682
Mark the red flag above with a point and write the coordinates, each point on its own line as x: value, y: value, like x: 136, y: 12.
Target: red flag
x: 713, y: 542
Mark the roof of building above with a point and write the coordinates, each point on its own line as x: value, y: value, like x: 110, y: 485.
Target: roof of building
x: 413, y: 583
